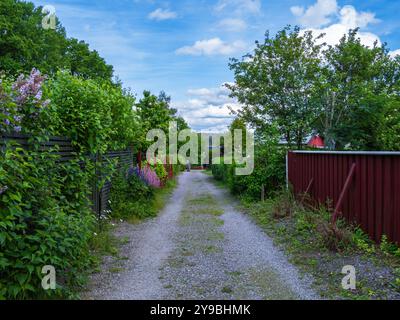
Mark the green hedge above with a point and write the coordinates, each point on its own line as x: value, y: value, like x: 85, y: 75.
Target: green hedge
x: 269, y: 170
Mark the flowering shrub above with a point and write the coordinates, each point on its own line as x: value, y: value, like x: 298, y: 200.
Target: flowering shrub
x: 132, y: 194
x: 158, y: 168
x: 96, y: 116
x: 22, y: 103
x: 148, y: 175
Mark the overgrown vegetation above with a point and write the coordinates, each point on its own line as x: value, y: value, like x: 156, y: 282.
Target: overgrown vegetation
x: 133, y: 198
x: 45, y: 220
x: 45, y: 212
x: 269, y: 169
x: 323, y: 248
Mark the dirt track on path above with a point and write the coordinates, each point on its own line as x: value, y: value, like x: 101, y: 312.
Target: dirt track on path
x: 200, y: 247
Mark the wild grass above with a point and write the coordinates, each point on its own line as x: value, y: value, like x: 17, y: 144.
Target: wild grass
x: 313, y: 242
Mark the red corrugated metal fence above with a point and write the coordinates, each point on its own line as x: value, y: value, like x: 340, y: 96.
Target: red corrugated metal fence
x: 373, y: 197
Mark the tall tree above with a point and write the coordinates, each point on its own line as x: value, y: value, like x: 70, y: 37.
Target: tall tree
x: 275, y: 84
x: 354, y: 88
x: 25, y: 44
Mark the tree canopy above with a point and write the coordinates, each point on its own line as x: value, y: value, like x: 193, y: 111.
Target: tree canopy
x: 348, y: 93
x: 25, y: 44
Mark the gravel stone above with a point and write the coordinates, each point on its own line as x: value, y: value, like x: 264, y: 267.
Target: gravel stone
x: 199, y: 247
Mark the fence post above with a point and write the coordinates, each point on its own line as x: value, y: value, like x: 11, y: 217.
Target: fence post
x: 344, y: 191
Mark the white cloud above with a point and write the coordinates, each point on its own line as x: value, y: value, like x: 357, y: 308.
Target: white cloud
x: 324, y: 12
x: 241, y: 6
x: 353, y: 19
x: 233, y: 25
x: 214, y: 46
x: 162, y: 14
x: 316, y: 15
x: 394, y: 53
x: 208, y: 109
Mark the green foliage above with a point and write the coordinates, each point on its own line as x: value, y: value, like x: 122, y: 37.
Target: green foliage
x: 25, y: 45
x: 269, y: 169
x: 45, y: 212
x: 154, y: 114
x: 389, y: 126
x: 81, y: 112
x: 362, y: 242
x: 276, y: 82
x: 348, y: 93
x: 95, y: 115
x: 45, y: 220
x: 220, y: 171
x: 356, y: 84
x: 130, y: 196
x: 389, y: 248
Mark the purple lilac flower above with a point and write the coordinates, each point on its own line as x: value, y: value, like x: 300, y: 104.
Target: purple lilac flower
x: 28, y: 88
x: 27, y: 93
x: 38, y: 96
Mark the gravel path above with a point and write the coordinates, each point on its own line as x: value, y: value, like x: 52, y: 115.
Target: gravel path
x: 200, y: 247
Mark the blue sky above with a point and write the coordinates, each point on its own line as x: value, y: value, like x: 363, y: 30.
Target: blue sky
x: 183, y: 47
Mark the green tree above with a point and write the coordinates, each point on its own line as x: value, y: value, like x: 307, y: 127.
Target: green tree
x: 25, y: 44
x: 154, y: 114
x: 354, y: 88
x: 275, y: 84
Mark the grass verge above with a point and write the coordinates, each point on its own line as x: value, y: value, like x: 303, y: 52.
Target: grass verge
x: 323, y: 249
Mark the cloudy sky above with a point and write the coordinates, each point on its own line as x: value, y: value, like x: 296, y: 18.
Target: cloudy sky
x: 183, y: 46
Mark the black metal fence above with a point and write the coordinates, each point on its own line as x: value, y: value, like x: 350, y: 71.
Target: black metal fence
x: 100, y: 192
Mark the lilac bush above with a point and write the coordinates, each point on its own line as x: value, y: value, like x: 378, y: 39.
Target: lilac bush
x: 22, y: 103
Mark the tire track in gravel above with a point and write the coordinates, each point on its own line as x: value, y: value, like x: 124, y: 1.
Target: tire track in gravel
x: 201, y: 247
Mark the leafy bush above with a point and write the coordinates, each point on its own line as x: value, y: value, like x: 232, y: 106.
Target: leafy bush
x: 45, y: 220
x: 220, y: 171
x: 269, y: 170
x: 131, y: 196
x: 362, y: 241
x: 96, y: 116
x: 45, y: 213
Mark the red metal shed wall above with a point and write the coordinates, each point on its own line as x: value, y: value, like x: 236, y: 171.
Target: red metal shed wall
x: 373, y: 199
